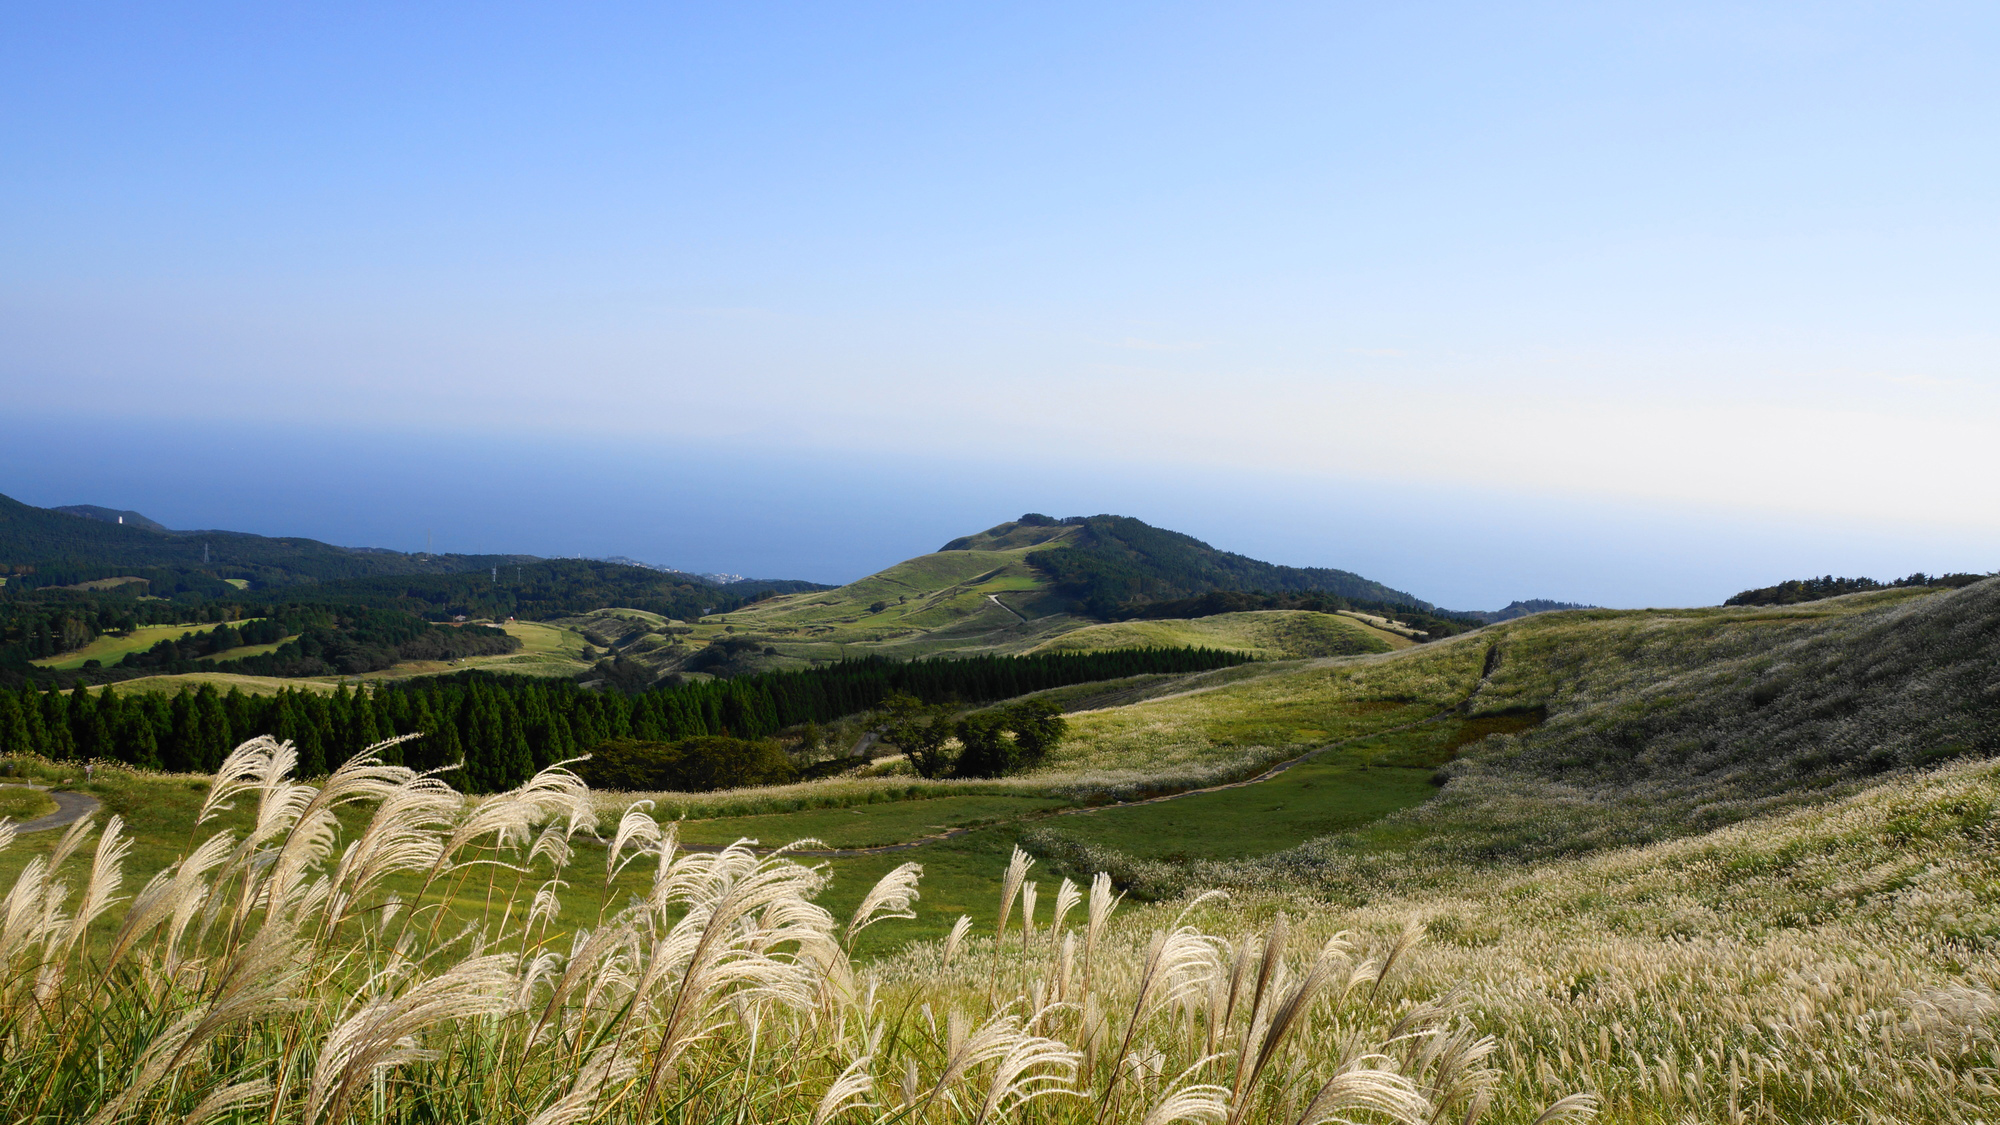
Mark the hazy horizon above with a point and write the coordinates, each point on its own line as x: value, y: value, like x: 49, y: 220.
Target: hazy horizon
x: 727, y: 510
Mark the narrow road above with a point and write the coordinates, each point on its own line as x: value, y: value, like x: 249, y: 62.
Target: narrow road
x: 70, y: 808
x: 995, y: 599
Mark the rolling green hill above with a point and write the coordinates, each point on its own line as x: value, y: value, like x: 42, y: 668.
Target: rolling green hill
x: 999, y: 591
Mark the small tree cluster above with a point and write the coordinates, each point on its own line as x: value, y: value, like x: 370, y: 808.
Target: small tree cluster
x: 989, y: 743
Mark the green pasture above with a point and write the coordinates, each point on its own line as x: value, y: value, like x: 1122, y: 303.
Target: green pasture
x: 869, y: 825
x: 223, y: 681
x: 20, y: 803
x: 109, y: 648
x: 1337, y: 791
x: 1272, y: 634
x: 242, y: 651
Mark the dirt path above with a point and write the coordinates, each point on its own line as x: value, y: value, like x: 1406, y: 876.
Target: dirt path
x: 995, y: 599
x: 70, y: 808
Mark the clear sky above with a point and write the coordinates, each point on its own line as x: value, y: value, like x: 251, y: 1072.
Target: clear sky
x: 1635, y: 304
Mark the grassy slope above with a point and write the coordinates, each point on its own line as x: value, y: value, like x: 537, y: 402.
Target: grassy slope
x: 1272, y: 634
x: 20, y: 803
x: 1835, y: 963
x: 546, y: 650
x: 110, y: 649
x: 942, y: 602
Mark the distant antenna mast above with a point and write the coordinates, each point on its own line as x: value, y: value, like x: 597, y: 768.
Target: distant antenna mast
x: 204, y: 554
x: 427, y: 541
x: 496, y: 576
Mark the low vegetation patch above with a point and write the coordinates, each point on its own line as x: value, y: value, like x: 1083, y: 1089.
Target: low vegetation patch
x: 20, y: 803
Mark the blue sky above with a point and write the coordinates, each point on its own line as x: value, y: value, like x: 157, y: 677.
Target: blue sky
x: 1628, y: 304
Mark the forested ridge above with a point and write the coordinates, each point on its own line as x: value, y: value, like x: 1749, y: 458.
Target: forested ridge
x: 503, y: 728
x: 545, y: 588
x: 1117, y: 563
x: 46, y: 547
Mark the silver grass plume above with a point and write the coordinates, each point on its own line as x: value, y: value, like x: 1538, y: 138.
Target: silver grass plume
x: 546, y: 904
x: 1068, y: 895
x: 1413, y: 932
x: 1361, y: 1086
x: 890, y: 898
x: 1010, y: 885
x: 1102, y: 903
x: 107, y: 873
x: 22, y: 912
x: 403, y: 835
x: 255, y: 982
x: 314, y: 827
x: 586, y: 1094
x: 636, y: 826
x: 1183, y: 1102
x: 1031, y: 1067
x: 849, y: 1092
x: 226, y: 1099
x: 1178, y: 964
x: 1285, y: 1015
x: 510, y: 817
x: 712, y: 952
x: 1029, y: 894
x: 382, y: 1033
x: 246, y: 768
x: 176, y: 892
x: 956, y: 938
x: 1573, y: 1107
x: 965, y: 1050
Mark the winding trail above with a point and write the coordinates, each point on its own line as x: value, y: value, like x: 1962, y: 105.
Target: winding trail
x: 995, y: 599
x: 70, y: 808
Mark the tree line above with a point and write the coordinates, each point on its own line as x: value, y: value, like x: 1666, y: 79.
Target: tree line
x: 504, y: 728
x: 544, y: 589
x: 1813, y: 589
x: 56, y: 622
